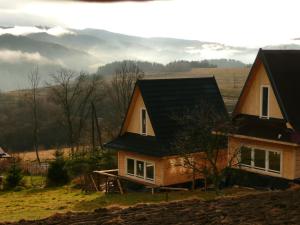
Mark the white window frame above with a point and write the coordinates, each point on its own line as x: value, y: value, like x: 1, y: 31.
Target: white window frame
x: 141, y: 121
x: 135, y: 176
x: 265, y: 170
x: 261, y: 102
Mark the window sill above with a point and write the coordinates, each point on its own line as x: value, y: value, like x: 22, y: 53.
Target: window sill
x: 142, y: 179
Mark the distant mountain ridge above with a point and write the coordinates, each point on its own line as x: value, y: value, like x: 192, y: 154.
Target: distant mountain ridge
x: 87, y: 49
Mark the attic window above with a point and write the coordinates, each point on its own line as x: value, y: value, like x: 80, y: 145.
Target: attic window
x: 143, y: 122
x: 264, y: 112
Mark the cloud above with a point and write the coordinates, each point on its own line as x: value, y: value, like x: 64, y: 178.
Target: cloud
x: 23, y: 30
x: 9, y: 56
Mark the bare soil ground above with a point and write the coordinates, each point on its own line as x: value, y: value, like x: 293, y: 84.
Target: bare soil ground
x: 277, y: 207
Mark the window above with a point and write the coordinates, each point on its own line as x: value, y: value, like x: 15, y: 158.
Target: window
x: 143, y: 121
x: 149, y: 171
x: 130, y: 166
x: 246, y: 156
x: 274, y: 161
x: 141, y: 169
x: 265, y: 101
x: 259, y: 159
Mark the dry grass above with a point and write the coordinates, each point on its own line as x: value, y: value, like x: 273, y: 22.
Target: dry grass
x: 44, y: 154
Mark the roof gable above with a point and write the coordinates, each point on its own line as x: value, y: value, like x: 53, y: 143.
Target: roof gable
x: 283, y: 70
x: 132, y: 119
x: 283, y: 67
x: 166, y: 98
x: 250, y: 100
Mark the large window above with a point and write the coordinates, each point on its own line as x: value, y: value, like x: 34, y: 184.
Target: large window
x: 274, y: 161
x: 130, y: 166
x: 265, y: 101
x: 149, y: 171
x: 141, y: 169
x: 143, y: 121
x: 260, y: 159
x: 246, y: 156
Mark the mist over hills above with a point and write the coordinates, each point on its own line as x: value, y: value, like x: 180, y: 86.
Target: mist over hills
x: 51, y: 48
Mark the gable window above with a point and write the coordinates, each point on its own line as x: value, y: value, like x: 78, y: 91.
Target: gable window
x: 264, y: 102
x: 143, y: 121
x: 260, y: 159
x: 140, y: 169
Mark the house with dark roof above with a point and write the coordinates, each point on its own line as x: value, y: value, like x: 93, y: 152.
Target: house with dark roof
x: 144, y: 144
x: 3, y: 154
x: 267, y: 116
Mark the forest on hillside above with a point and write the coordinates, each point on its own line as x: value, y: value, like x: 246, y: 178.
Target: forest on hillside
x: 40, y: 115
x: 67, y: 111
x: 175, y: 66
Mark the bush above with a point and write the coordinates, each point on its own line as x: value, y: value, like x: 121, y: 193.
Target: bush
x: 57, y: 173
x: 86, y: 162
x: 14, y: 175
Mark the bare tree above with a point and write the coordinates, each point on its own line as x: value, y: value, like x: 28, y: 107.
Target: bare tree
x: 202, y: 144
x: 121, y: 87
x: 34, y: 82
x: 74, y: 94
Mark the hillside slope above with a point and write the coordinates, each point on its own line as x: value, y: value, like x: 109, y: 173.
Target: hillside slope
x: 258, y: 209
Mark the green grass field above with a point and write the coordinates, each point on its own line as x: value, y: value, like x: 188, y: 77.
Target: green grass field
x: 36, y: 203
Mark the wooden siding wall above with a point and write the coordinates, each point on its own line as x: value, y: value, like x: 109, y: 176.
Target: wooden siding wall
x: 177, y: 174
x: 297, y: 161
x: 133, y: 121
x: 250, y: 100
x: 166, y: 171
x: 290, y: 164
x: 122, y: 155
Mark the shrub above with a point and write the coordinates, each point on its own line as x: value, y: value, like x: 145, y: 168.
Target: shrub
x: 14, y: 175
x: 57, y: 173
x: 86, y: 162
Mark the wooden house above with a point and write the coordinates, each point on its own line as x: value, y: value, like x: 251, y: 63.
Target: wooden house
x: 267, y: 115
x: 3, y: 154
x: 144, y: 144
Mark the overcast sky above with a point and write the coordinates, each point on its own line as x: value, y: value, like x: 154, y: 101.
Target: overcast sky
x: 252, y: 23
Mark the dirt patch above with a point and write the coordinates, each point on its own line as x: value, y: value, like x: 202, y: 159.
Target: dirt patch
x: 282, y: 207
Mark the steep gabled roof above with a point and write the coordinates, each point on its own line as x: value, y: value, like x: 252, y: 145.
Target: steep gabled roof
x: 165, y: 99
x: 283, y: 70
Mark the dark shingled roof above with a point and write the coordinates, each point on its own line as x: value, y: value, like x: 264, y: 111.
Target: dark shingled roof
x: 272, y: 129
x: 164, y: 99
x: 283, y: 70
x: 137, y: 143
